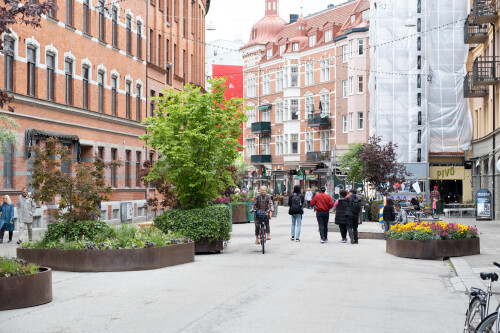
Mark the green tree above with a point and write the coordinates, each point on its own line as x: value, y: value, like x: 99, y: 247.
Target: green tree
x: 350, y: 163
x: 7, y: 135
x: 197, y: 136
x: 79, y: 193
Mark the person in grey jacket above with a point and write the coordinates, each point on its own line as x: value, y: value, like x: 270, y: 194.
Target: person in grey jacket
x: 26, y: 208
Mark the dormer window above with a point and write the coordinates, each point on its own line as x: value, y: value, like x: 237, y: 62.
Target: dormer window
x: 328, y: 36
x: 282, y: 49
x: 312, y: 41
x: 353, y: 18
x: 269, y: 54
x: 295, y: 46
x: 366, y: 15
x: 254, y: 33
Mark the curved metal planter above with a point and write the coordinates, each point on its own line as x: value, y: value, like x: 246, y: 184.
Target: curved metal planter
x: 239, y: 213
x: 436, y: 249
x: 205, y: 245
x: 110, y: 260
x: 24, y: 291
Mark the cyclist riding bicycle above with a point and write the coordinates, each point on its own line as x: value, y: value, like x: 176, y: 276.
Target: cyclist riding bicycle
x: 262, y: 202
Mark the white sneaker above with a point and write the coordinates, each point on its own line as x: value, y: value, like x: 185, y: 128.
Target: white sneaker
x: 322, y: 241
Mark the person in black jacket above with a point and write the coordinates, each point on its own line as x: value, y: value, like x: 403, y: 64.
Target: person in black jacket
x: 296, y: 202
x: 342, y: 214
x: 389, y: 214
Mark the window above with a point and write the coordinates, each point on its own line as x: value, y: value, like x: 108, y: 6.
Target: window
x: 295, y: 46
x: 360, y: 84
x: 361, y: 119
x: 152, y: 103
x: 309, y: 105
x: 344, y: 124
x: 294, y: 142
x: 66, y: 165
x: 325, y: 70
x: 312, y: 41
x: 266, y: 115
x: 159, y: 50
x: 267, y: 84
x: 344, y: 54
x: 138, y: 111
x: 419, y: 62
x: 294, y: 76
x: 129, y: 34
x: 250, y: 147
x: 419, y: 81
x: 127, y: 168
x: 351, y: 122
x: 100, y: 85
x: 419, y: 25
x: 366, y: 15
x: 151, y: 45
x: 419, y: 43
x: 68, y: 70
x: 8, y: 166
x: 351, y: 85
x: 309, y: 147
x: 294, y: 109
x: 282, y: 49
x: 328, y: 36
x: 279, y: 145
x: 127, y: 98
x: 266, y: 146
x: 419, y: 6
x: 85, y: 85
x: 8, y: 75
x: 100, y: 153
x: 279, y: 81
x: 139, y: 40
x: 252, y: 84
x: 353, y: 18
x: 325, y: 105
x: 114, y: 88
x: 152, y: 158
x: 102, y: 21
x: 51, y: 12
x: 86, y: 17
x: 113, y: 168
x: 50, y: 76
x: 251, y: 116
x: 351, y: 48
x: 138, y: 160
x: 69, y: 12
x: 344, y: 88
x: 114, y: 27
x: 31, y: 71
x: 361, y: 46
x: 324, y: 140
x: 269, y: 54
x: 309, y: 74
x: 167, y: 57
x: 279, y: 112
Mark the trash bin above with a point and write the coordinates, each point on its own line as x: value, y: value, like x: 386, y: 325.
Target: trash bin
x: 250, y: 217
x: 439, y: 207
x: 365, y: 214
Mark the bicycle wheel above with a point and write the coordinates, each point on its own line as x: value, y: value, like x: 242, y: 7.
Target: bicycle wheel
x: 262, y: 238
x: 473, y: 316
x: 488, y: 325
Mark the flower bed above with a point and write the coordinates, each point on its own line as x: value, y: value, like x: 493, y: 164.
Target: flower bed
x: 432, y: 240
x: 23, y: 284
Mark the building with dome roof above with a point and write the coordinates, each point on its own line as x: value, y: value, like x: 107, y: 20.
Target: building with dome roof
x: 292, y: 89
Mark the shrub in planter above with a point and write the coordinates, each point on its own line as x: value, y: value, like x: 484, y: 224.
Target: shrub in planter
x: 211, y: 223
x: 427, y: 231
x: 16, y: 267
x: 76, y: 230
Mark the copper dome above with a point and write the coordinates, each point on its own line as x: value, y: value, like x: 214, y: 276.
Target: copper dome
x: 268, y: 28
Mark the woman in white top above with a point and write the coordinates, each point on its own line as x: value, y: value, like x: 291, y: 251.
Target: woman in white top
x: 308, y: 198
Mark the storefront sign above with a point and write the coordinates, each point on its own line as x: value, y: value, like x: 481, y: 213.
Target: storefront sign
x: 483, y: 204
x: 268, y: 173
x: 447, y: 173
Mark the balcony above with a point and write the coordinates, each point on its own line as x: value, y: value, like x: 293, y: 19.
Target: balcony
x: 261, y: 159
x: 475, y: 33
x: 319, y: 120
x: 486, y: 71
x: 318, y: 156
x: 263, y: 127
x: 485, y: 11
x: 470, y: 90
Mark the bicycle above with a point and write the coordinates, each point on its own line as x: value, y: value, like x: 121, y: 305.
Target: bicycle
x: 262, y: 218
x: 477, y: 312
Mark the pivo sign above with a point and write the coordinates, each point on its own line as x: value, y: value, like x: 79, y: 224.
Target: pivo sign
x: 448, y: 173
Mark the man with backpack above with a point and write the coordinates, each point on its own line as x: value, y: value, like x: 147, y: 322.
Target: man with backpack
x: 355, y: 210
x: 323, y: 203
x: 296, y: 202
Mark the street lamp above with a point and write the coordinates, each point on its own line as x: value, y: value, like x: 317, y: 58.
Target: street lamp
x: 211, y: 26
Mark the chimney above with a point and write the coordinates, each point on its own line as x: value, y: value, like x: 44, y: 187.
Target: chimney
x: 330, y: 6
x: 294, y: 18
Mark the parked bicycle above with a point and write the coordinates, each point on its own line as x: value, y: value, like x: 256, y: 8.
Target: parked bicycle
x: 262, y: 218
x: 477, y: 318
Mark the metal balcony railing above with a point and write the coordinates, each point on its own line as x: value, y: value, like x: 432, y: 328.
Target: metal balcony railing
x: 485, y: 70
x: 263, y: 127
x: 485, y: 11
x: 470, y: 90
x: 318, y: 156
x: 475, y: 33
x: 260, y: 159
x: 319, y: 120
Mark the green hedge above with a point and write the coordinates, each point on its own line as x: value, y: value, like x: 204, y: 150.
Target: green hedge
x: 212, y: 222
x: 75, y: 230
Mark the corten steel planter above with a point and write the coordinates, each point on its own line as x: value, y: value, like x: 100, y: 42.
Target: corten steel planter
x: 239, y: 213
x: 436, y: 249
x: 110, y: 260
x: 205, y: 245
x: 24, y: 291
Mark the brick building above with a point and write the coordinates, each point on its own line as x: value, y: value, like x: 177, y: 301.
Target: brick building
x: 293, y: 75
x: 85, y: 77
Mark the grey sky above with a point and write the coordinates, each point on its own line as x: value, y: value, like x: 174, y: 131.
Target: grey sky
x: 235, y: 18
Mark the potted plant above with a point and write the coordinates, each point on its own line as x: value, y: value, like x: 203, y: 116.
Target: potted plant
x: 23, y: 284
x: 432, y: 240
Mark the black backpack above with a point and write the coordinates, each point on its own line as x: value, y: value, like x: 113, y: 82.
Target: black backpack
x: 356, y: 206
x: 296, y: 203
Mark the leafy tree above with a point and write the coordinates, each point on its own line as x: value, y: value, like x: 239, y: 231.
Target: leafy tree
x: 79, y: 193
x: 7, y: 135
x: 161, y: 184
x: 197, y: 136
x: 350, y: 163
x: 380, y: 168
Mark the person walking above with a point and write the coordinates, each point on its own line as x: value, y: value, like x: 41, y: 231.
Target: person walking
x: 26, y: 208
x: 264, y: 203
x: 389, y: 215
x: 296, y: 202
x: 309, y: 196
x: 323, y: 203
x: 363, y: 206
x: 7, y: 218
x: 341, y: 210
x: 355, y: 210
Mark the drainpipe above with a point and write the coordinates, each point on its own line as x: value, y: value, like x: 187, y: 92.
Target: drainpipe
x: 147, y: 102
x: 494, y: 124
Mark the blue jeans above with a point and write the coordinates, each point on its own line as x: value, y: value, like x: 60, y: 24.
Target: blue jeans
x: 297, y: 218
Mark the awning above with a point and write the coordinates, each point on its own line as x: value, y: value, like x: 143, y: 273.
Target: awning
x: 264, y: 107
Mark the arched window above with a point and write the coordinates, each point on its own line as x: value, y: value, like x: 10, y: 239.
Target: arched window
x: 9, y: 63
